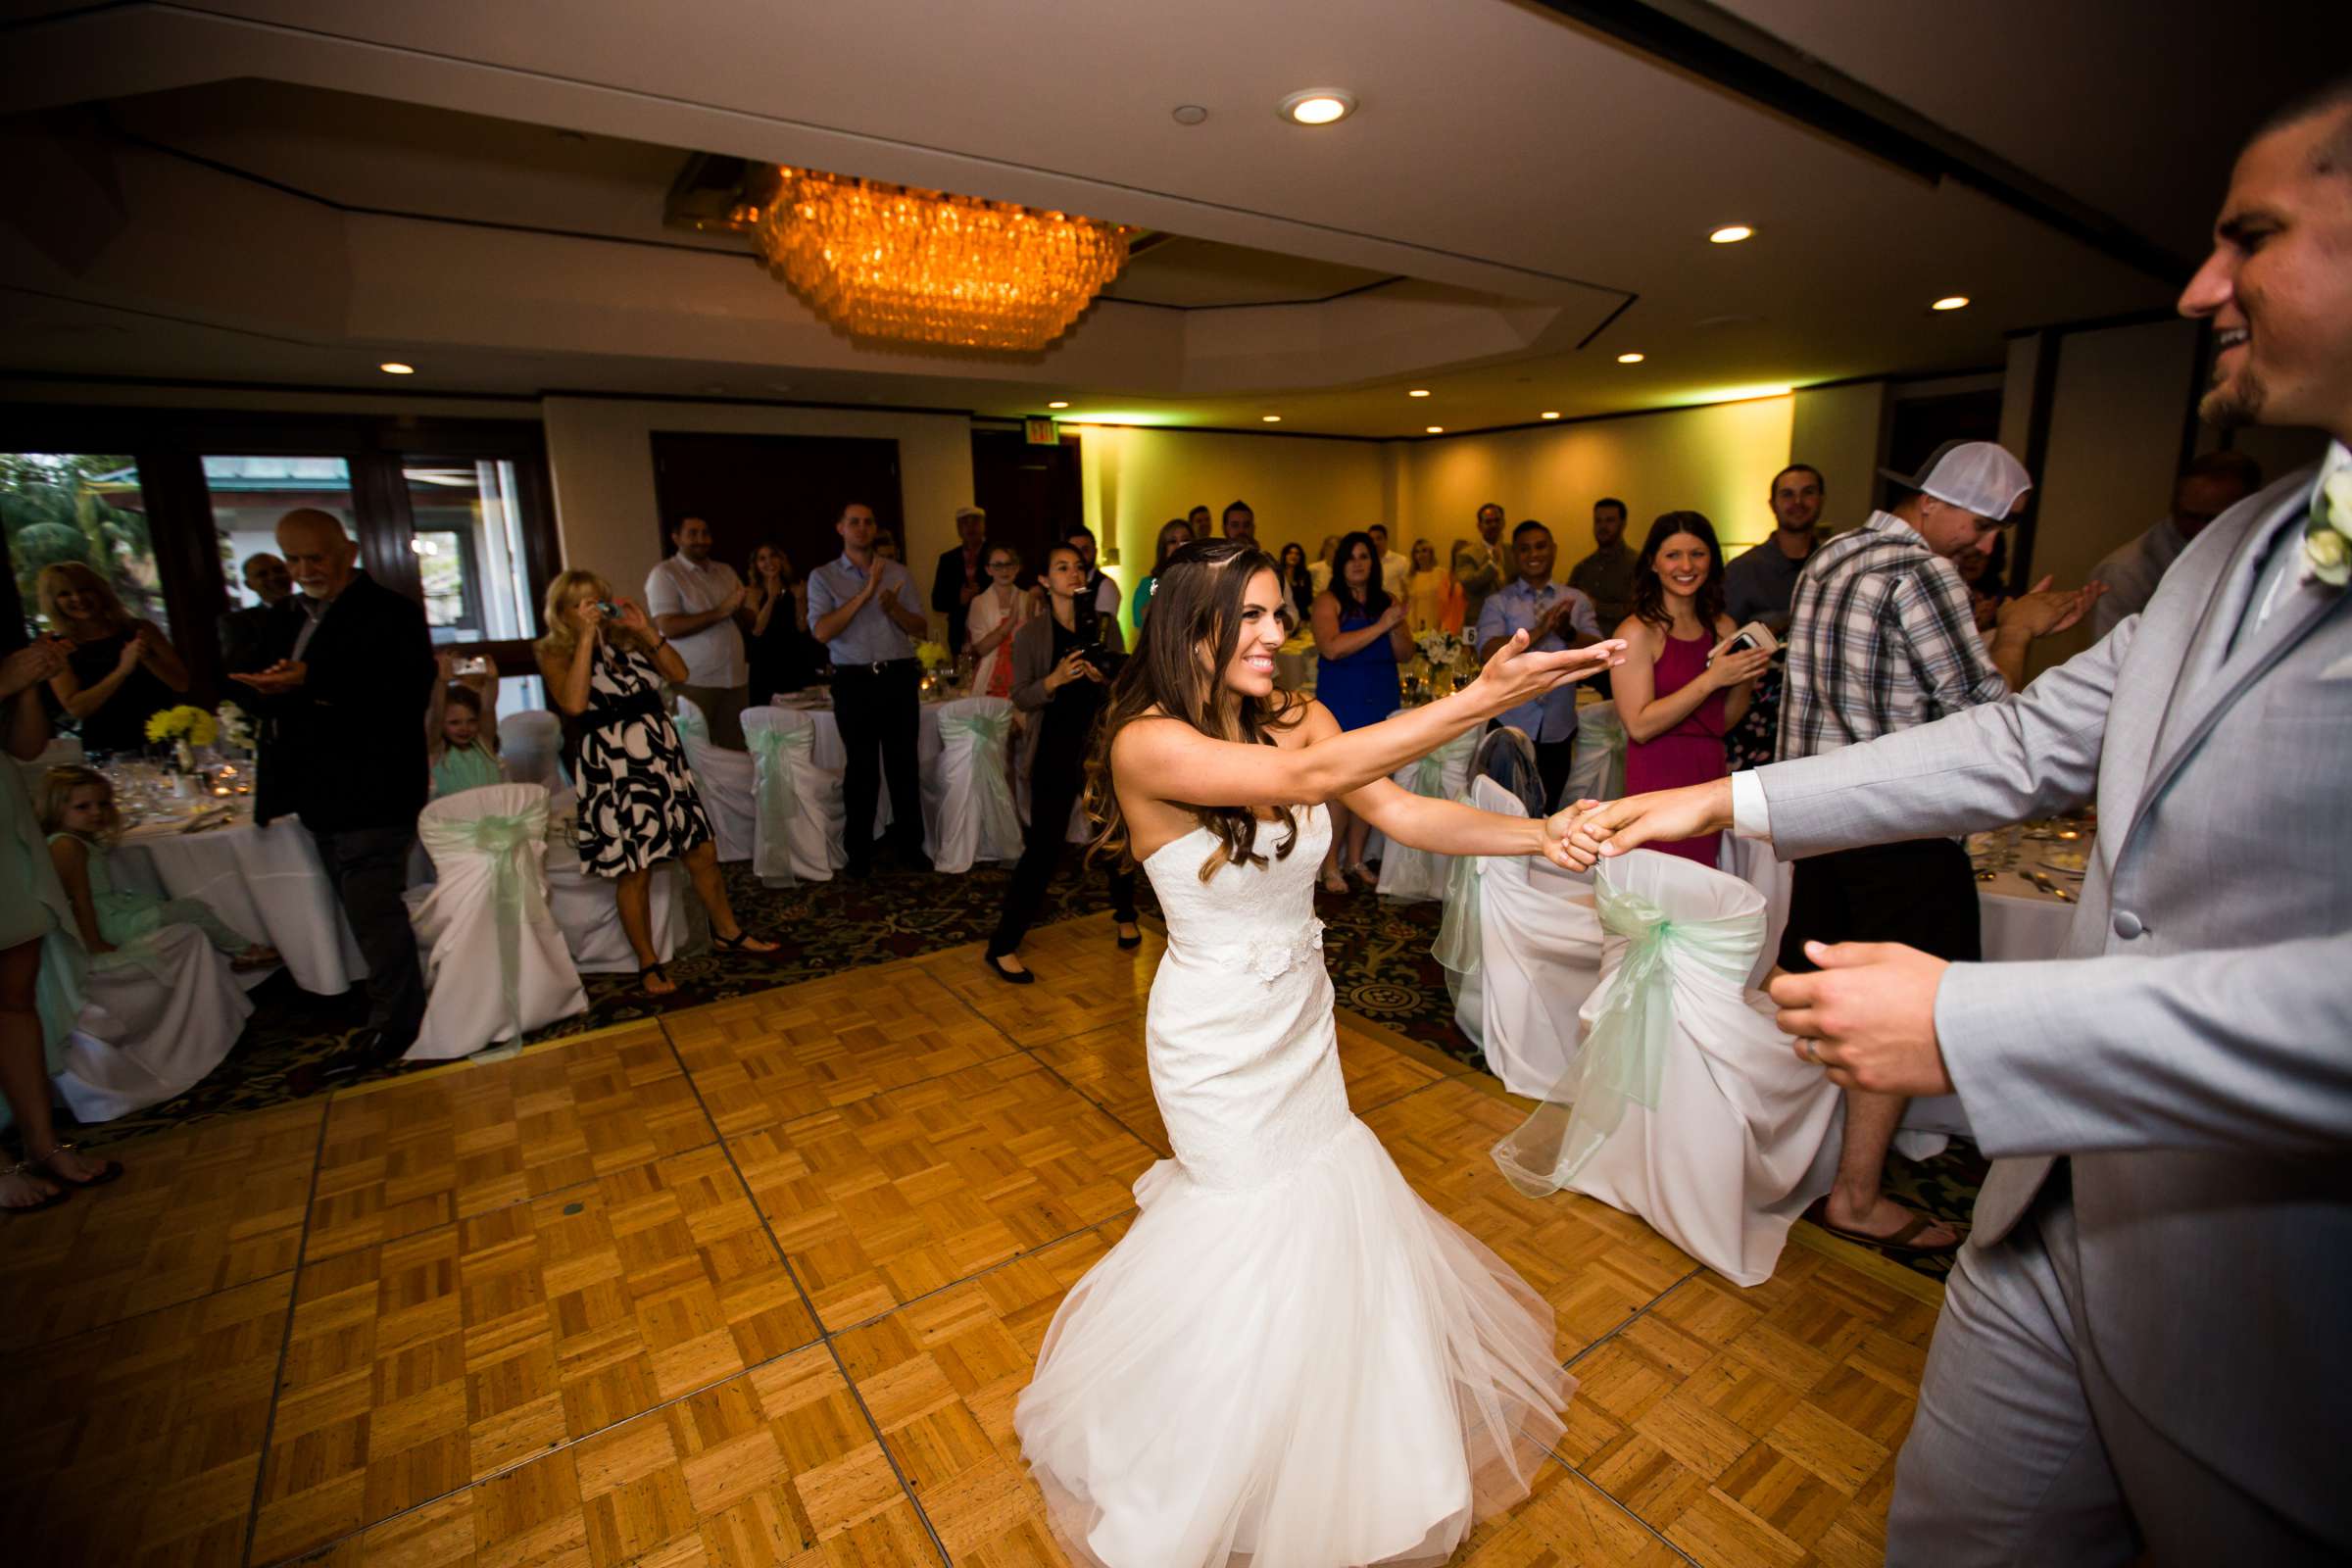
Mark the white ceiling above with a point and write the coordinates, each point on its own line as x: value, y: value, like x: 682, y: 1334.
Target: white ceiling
x: 1527, y: 176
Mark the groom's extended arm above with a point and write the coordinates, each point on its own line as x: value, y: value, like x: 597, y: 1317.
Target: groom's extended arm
x: 2032, y: 755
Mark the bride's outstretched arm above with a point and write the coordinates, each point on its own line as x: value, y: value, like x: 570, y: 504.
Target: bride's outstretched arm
x: 1170, y: 761
x: 1448, y: 828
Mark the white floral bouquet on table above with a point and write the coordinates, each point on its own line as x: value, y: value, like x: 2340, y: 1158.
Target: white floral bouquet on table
x: 1441, y: 647
x: 236, y: 727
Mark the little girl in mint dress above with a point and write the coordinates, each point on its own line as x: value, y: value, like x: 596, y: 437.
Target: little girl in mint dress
x: 117, y: 924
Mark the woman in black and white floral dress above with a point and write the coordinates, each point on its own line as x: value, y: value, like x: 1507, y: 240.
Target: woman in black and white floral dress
x: 638, y: 805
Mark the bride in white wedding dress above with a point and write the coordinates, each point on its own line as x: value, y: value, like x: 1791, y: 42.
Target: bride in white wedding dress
x: 1290, y: 1360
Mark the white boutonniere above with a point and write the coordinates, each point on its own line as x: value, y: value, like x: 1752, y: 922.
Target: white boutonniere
x: 2327, y: 535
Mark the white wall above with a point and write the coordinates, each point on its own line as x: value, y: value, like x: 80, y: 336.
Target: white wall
x: 600, y: 456
x: 1842, y: 430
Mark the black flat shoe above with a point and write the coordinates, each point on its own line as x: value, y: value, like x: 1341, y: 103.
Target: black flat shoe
x: 739, y: 943
x: 1010, y: 977
x: 1129, y: 944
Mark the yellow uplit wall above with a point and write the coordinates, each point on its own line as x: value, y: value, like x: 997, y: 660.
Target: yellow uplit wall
x: 1299, y: 488
x: 1718, y: 460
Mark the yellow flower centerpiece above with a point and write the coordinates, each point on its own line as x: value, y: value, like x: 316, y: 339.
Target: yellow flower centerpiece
x: 187, y: 727
x: 934, y: 656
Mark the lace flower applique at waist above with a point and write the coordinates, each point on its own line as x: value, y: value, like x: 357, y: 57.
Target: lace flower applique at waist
x: 1268, y: 960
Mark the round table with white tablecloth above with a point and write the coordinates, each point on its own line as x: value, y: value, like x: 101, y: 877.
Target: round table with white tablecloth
x: 268, y: 883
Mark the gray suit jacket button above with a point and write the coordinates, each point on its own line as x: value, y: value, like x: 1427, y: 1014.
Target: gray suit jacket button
x: 2127, y: 925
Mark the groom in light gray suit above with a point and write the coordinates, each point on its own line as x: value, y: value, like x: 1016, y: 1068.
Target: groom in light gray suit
x: 2148, y: 1340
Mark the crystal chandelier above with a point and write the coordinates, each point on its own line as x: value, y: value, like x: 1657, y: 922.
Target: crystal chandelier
x: 928, y: 267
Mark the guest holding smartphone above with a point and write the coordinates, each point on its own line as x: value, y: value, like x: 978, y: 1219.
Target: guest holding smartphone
x: 1057, y: 671
x: 1677, y: 704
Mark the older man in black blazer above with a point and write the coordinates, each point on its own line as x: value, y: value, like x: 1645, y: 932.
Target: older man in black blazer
x: 347, y: 694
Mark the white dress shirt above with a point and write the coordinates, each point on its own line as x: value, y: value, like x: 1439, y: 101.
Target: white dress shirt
x: 713, y: 655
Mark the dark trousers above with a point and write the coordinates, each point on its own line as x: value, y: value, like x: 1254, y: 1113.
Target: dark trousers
x: 1054, y: 785
x: 370, y: 867
x: 1921, y: 892
x: 876, y: 711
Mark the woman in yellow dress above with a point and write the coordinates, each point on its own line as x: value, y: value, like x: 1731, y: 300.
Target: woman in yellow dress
x: 1432, y: 600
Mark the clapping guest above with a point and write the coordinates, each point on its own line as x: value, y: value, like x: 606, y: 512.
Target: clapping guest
x: 118, y: 924
x: 993, y: 617
x: 1174, y: 535
x: 1297, y: 582
x: 1982, y: 571
x: 41, y: 963
x: 119, y: 670
x: 782, y: 657
x: 1057, y: 661
x: 694, y: 601
x: 604, y: 664
x: 1432, y: 600
x: 1361, y: 638
x: 862, y: 608
x: 460, y: 728
x: 1676, y: 704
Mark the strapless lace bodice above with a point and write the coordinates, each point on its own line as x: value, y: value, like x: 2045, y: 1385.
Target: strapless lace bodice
x: 1258, y: 919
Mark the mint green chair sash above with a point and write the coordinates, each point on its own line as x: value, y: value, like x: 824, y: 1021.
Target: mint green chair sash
x: 1623, y: 1056
x: 688, y: 720
x: 1000, y: 821
x: 1459, y: 926
x: 777, y: 798
x: 515, y: 896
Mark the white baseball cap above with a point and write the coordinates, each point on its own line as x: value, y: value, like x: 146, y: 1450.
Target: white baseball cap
x: 1979, y: 477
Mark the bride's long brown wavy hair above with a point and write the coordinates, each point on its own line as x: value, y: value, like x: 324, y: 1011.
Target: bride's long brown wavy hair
x: 1177, y: 671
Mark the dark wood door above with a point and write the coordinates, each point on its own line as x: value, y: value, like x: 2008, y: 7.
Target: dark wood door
x: 1030, y: 493
x: 785, y: 489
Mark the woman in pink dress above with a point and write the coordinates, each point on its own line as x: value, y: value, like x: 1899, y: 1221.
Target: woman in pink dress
x: 1676, y: 706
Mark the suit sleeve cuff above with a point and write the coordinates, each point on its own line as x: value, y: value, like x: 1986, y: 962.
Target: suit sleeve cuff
x: 1752, y: 816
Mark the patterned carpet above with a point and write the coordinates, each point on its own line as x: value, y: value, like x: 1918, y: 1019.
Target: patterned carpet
x: 1377, y: 950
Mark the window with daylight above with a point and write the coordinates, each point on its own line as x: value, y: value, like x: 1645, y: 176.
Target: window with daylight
x: 85, y: 507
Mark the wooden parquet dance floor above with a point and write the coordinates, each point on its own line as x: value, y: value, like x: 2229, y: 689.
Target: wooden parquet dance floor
x: 760, y: 1284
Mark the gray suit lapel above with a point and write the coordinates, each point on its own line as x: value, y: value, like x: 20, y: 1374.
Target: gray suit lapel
x: 2214, y: 676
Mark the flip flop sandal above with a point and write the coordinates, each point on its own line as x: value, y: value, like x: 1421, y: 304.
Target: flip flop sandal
x: 1899, y: 1242
x: 32, y: 1168
x: 108, y: 1170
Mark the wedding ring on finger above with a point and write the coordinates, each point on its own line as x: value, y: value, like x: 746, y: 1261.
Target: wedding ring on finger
x: 1807, y: 1046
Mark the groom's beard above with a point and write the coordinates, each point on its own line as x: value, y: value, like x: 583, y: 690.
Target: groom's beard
x: 2236, y: 403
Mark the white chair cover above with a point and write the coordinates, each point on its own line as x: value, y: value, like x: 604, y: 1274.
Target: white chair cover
x: 1597, y: 767
x: 1686, y: 1106
x: 724, y: 780
x: 797, y: 825
x: 587, y: 910
x: 1524, y: 940
x: 1409, y: 873
x: 495, y: 964
x: 531, y: 746
x: 150, y: 1030
x: 968, y: 796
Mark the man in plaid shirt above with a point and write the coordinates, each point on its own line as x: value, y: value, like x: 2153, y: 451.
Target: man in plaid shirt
x: 1883, y: 636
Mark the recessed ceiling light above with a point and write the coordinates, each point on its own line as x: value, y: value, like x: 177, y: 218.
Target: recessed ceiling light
x: 1437, y: 429
x: 1418, y: 392
x: 1318, y: 106
x: 1271, y: 419
x: 395, y: 368
x: 1731, y: 234
x: 1631, y: 358
x: 1189, y: 114
x: 1058, y: 405
x: 1950, y: 302
x: 1551, y: 414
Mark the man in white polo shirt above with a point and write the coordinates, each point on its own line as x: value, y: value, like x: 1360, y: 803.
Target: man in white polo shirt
x: 694, y: 601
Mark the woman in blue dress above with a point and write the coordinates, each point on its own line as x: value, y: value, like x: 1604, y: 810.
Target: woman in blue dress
x: 1360, y: 637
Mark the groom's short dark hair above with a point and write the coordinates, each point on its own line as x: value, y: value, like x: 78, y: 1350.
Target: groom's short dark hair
x: 2334, y: 154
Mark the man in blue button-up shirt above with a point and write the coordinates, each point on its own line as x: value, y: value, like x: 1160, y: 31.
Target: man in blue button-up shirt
x: 1554, y: 617
x: 865, y: 611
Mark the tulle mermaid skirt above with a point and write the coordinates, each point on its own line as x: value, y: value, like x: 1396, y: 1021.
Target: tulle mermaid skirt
x: 1316, y: 1371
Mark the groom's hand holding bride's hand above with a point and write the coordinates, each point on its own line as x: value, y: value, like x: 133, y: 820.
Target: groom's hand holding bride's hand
x: 1597, y: 830
x: 1514, y: 675
x: 1868, y: 1016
